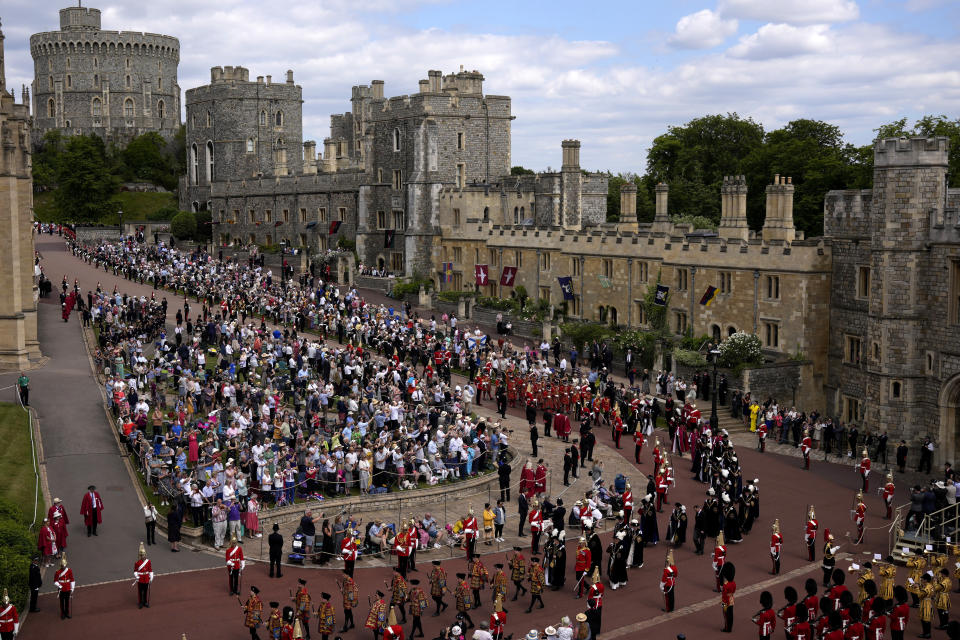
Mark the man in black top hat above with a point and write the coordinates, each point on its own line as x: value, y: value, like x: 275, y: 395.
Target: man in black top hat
x: 275, y: 540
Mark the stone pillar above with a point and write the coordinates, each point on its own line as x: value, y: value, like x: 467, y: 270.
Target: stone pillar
x: 571, y: 186
x: 628, y: 208
x: 329, y: 155
x: 309, y: 157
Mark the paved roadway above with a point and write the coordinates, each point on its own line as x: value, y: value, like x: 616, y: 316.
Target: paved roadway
x: 196, y: 603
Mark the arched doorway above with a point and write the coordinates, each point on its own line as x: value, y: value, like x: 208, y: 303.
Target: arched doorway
x: 715, y: 331
x: 601, y: 314
x: 381, y: 264
x: 612, y: 315
x: 949, y: 420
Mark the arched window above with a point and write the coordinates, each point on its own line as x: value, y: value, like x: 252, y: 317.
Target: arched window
x: 731, y: 331
x: 250, y: 145
x: 128, y: 82
x: 128, y: 108
x: 209, y: 162
x: 523, y: 216
x: 263, y: 118
x: 209, y: 119
x: 96, y: 80
x: 279, y: 119
x: 51, y: 83
x: 51, y: 108
x: 96, y: 108
x: 160, y: 109
x: 396, y: 139
x: 516, y: 215
x: 193, y: 164
x: 715, y: 330
x: 486, y: 214
x: 69, y: 81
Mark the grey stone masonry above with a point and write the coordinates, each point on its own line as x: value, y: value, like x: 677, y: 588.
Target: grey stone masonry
x: 115, y: 84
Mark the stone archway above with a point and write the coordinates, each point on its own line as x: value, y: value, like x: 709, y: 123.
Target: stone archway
x: 949, y: 420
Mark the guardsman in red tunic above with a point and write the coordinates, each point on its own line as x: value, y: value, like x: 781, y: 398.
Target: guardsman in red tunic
x: 762, y: 436
x: 536, y: 526
x: 470, y: 529
x: 235, y: 564
x: 326, y: 618
x: 727, y: 592
x: 393, y: 631
x: 859, y: 516
x: 498, y: 620
x: 719, y: 559
x: 595, y: 595
x: 657, y: 455
x: 143, y: 572
x: 668, y: 582
x: 417, y: 602
x: 253, y: 613
x: 398, y: 592
x: 348, y: 551
x: 864, y: 470
x: 351, y: 598
x: 582, y: 564
x: 888, y: 491
x: 806, y: 446
x: 401, y: 544
x: 638, y: 441
x: 766, y: 620
x: 9, y: 620
x: 810, y: 534
x: 627, y: 500
x: 302, y: 605
x: 65, y: 585
x: 776, y: 547
x: 617, y: 427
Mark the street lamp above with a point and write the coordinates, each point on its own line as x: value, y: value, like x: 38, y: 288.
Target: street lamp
x: 122, y: 234
x: 714, y: 419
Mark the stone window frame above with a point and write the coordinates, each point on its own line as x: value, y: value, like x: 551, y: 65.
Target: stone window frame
x: 51, y: 83
x: 268, y: 215
x: 953, y: 297
x: 96, y: 107
x: 130, y: 112
x: 518, y: 259
x: 69, y: 81
x: 849, y: 342
x: 128, y: 81
x: 456, y: 218
x: 770, y: 332
x: 641, y: 308
x: 861, y: 286
x: 396, y: 261
x: 303, y: 214
x: 847, y: 402
x: 458, y: 254
x: 96, y: 80
x: 682, y: 278
x: 486, y: 214
x: 263, y: 117
x: 726, y: 281
x: 607, y: 266
x: 161, y: 109
x: 342, y: 212
x: 251, y: 146
x: 278, y: 118
x: 321, y: 214
x: 462, y: 175
x: 397, y: 183
x: 399, y: 219
x: 461, y: 141
x: 397, y: 140
x: 643, y: 271
x: 680, y: 320
x: 286, y: 215
x: 211, y: 161
x: 545, y: 261
x: 896, y: 389
x: 194, y: 167
x: 772, y: 288
x: 380, y: 175
x: 492, y: 259
x: 381, y: 219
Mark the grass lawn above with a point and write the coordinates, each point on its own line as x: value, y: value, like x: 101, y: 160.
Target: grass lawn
x: 16, y: 468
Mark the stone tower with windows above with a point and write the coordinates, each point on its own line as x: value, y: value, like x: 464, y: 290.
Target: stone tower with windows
x: 18, y: 304
x: 238, y: 129
x: 115, y: 84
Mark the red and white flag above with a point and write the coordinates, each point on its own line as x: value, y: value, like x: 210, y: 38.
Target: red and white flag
x: 507, y: 276
x: 482, y: 272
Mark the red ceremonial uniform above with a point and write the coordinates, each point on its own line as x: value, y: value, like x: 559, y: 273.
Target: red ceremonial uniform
x: 143, y: 571
x: 802, y: 631
x: 393, y: 632
x: 91, y: 504
x: 865, y: 472
x: 788, y: 614
x: 348, y: 549
x: 888, y: 491
x: 766, y: 622
x: 668, y: 582
x: 234, y: 557
x: 899, y: 617
x: 878, y: 627
x: 536, y: 521
x: 9, y: 619
x: 498, y: 622
x: 719, y: 558
x: 595, y: 596
x: 855, y: 631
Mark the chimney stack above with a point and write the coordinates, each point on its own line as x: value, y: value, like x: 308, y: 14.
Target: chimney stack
x: 628, y: 202
x: 289, y: 76
x: 269, y: 79
x: 733, y: 209
x: 778, y: 223
x: 378, y: 89
x: 329, y: 155
x: 435, y: 78
x: 309, y: 157
x: 571, y: 155
x: 661, y: 221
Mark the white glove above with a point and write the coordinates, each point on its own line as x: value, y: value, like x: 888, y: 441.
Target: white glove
x: 151, y: 576
x: 243, y: 565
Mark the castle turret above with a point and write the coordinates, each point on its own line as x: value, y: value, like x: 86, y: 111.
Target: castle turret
x: 733, y: 208
x: 571, y: 185
x: 778, y: 224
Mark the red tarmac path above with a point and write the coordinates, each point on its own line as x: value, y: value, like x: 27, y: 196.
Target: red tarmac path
x: 196, y: 602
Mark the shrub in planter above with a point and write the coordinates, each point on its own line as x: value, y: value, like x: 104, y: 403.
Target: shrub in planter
x: 740, y: 349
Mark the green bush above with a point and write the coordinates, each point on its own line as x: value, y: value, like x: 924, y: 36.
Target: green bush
x: 401, y: 289
x: 17, y: 547
x: 204, y: 232
x: 498, y: 304
x: 689, y: 358
x: 454, y: 296
x: 184, y: 225
x: 694, y: 343
x: 163, y: 214
x: 580, y: 333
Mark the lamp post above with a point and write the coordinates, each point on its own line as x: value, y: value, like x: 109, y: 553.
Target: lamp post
x: 714, y: 419
x: 122, y: 234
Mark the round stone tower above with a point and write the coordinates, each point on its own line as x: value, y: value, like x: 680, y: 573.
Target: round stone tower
x: 115, y: 84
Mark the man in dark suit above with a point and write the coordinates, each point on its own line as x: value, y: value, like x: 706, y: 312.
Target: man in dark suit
x: 275, y: 540
x: 36, y: 581
x: 522, y: 507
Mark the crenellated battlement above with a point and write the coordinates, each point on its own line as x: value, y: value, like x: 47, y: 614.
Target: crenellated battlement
x: 900, y: 152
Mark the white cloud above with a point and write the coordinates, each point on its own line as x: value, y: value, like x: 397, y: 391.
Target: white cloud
x: 702, y: 30
x: 790, y: 11
x: 783, y: 41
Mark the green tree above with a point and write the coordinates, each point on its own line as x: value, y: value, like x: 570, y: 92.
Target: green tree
x: 149, y: 158
x: 84, y: 182
x: 184, y: 225
x: 694, y: 158
x: 204, y: 232
x: 46, y: 160
x: 520, y: 171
